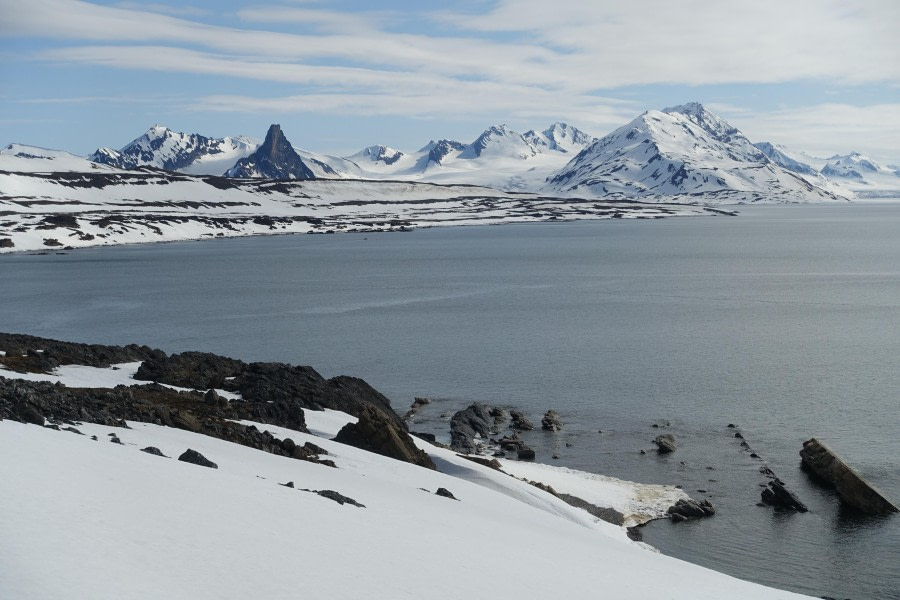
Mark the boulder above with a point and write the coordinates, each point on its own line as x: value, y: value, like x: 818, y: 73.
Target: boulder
x: 665, y: 443
x: 780, y: 497
x: 376, y: 432
x: 852, y: 488
x: 519, y: 421
x: 154, y: 451
x: 445, y: 493
x: 211, y: 398
x: 525, y: 453
x: 195, y: 458
x: 468, y: 423
x: 687, y: 508
x: 551, y: 421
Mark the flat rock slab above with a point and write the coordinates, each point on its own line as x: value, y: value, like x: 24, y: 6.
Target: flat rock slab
x: 853, y: 490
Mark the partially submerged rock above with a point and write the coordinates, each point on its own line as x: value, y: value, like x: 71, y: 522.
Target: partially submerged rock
x: 665, y: 443
x: 779, y: 496
x: 467, y: 424
x: 551, y: 421
x: 852, y: 488
x: 519, y: 421
x: 687, y: 508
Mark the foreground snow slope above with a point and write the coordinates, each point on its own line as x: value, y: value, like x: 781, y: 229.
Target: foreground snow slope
x: 92, y: 519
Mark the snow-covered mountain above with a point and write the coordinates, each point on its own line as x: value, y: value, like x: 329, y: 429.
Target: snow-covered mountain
x: 684, y: 151
x: 275, y: 158
x: 162, y: 148
x: 560, y: 137
x: 32, y: 159
x: 797, y: 163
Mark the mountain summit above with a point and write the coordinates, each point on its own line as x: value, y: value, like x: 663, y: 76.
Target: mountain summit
x: 682, y: 151
x: 274, y: 159
x: 163, y: 148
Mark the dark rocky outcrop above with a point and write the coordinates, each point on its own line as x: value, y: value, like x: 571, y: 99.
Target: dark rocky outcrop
x: 512, y: 443
x: 195, y: 458
x: 337, y: 497
x: 610, y: 515
x: 195, y: 370
x: 519, y: 421
x: 468, y: 423
x: 18, y: 357
x: 687, y: 508
x: 444, y: 492
x: 378, y: 433
x: 154, y: 451
x: 274, y: 159
x: 665, y: 443
x: 551, y: 421
x: 289, y: 388
x: 853, y: 489
x: 779, y: 496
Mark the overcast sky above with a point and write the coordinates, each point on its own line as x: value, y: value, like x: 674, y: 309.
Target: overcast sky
x: 821, y: 76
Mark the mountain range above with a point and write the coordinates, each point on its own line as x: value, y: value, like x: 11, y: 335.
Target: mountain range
x: 682, y: 153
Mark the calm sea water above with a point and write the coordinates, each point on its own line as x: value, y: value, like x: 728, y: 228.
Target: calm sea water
x: 784, y: 321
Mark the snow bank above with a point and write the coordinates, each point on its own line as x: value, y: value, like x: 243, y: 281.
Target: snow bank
x: 86, y: 518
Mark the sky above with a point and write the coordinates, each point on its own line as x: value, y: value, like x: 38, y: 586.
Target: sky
x: 820, y: 76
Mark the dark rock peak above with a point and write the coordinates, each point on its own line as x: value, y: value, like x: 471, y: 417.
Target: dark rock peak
x: 274, y: 159
x: 442, y: 148
x: 383, y: 154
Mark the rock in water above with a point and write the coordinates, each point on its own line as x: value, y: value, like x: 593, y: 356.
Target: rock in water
x: 519, y: 421
x: 853, y: 490
x: 379, y: 433
x: 665, y: 443
x: 780, y: 497
x: 525, y: 453
x: 195, y: 458
x: 551, y: 421
x: 468, y: 423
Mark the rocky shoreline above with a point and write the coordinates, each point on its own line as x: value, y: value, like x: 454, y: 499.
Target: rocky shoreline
x: 209, y: 394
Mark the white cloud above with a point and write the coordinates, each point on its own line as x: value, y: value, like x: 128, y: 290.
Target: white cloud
x: 827, y: 129
x: 523, y: 59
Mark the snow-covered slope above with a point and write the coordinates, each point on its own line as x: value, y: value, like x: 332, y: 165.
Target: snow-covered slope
x: 560, y: 137
x: 794, y: 162
x: 863, y: 175
x: 686, y: 152
x: 116, y: 522
x: 163, y: 148
x: 106, y: 206
x: 31, y: 159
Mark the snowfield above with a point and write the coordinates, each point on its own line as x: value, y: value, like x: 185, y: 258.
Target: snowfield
x: 45, y: 210
x: 86, y: 518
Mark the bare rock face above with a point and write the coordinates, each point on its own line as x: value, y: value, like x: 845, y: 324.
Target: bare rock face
x: 853, y: 490
x: 376, y: 432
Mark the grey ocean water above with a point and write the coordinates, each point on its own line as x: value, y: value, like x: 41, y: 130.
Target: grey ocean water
x: 784, y: 321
